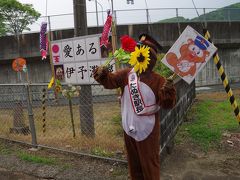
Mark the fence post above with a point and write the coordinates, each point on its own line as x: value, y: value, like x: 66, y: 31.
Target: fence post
x: 177, y: 16
x: 85, y: 98
x: 19, y: 126
x: 30, y: 117
x: 204, y: 16
x: 147, y: 13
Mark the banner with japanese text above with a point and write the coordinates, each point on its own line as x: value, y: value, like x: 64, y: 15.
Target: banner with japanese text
x: 74, y: 59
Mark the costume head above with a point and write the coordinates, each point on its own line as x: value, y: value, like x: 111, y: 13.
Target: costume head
x: 155, y: 48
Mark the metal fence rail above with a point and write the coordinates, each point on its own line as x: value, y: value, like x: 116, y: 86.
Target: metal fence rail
x: 142, y: 16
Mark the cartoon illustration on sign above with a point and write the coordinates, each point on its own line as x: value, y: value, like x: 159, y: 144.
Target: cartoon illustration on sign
x: 195, y: 51
x: 189, y: 54
x: 59, y: 72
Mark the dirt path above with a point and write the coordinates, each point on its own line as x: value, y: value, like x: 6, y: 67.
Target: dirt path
x: 9, y: 175
x: 187, y: 163
x: 65, y: 166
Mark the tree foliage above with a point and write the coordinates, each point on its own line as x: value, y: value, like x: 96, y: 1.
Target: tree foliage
x: 2, y: 27
x: 15, y: 17
x: 162, y: 69
x: 231, y: 12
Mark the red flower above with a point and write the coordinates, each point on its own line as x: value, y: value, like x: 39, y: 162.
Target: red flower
x: 128, y: 43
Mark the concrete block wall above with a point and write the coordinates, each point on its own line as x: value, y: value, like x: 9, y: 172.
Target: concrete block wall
x: 225, y: 36
x: 171, y: 119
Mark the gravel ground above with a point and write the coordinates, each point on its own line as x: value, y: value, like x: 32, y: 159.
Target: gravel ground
x: 187, y: 162
x: 67, y: 166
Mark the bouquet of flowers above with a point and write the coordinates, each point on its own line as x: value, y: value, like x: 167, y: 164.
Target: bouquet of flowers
x: 131, y: 52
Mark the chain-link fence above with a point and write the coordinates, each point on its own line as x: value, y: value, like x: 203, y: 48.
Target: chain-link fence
x: 87, y: 124
x: 56, y: 123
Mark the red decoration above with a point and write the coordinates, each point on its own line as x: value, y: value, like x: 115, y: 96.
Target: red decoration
x: 106, y: 30
x: 55, y: 48
x: 43, y: 40
x: 18, y: 64
x: 128, y: 43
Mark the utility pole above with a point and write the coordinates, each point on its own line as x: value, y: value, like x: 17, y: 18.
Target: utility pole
x: 85, y: 99
x: 114, y: 29
x: 80, y: 18
x: 96, y: 13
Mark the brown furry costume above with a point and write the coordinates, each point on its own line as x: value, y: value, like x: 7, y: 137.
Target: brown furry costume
x: 143, y: 156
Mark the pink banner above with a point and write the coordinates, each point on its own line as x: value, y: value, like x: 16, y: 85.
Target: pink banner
x: 106, y: 30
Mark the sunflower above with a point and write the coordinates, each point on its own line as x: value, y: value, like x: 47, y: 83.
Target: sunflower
x: 140, y: 59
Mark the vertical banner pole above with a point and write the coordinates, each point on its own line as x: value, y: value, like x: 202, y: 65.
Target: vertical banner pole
x: 51, y: 58
x: 224, y: 78
x: 114, y: 40
x: 44, y: 110
x: 50, y: 47
x: 114, y: 31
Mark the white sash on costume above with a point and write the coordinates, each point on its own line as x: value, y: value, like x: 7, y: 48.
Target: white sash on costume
x: 136, y: 97
x: 139, y: 119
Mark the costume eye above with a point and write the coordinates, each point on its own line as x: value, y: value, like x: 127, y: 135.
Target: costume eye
x: 191, y: 48
x: 200, y: 53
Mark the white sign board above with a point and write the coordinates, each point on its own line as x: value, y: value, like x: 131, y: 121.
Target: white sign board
x: 75, y: 59
x: 189, y: 54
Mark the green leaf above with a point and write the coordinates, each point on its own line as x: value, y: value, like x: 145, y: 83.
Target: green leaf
x: 116, y: 53
x: 125, y: 61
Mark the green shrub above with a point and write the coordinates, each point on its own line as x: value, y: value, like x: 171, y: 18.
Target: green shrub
x: 161, y: 68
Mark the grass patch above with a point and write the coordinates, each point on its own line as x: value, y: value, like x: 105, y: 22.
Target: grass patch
x: 117, y: 121
x: 209, y: 119
x: 36, y: 159
x: 4, y: 150
x: 98, y: 151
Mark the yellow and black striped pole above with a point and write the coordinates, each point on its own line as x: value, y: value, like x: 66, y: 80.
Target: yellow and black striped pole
x: 224, y: 79
x: 44, y: 110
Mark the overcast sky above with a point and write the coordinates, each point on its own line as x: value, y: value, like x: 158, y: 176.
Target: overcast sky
x: 55, y: 7
x: 66, y: 6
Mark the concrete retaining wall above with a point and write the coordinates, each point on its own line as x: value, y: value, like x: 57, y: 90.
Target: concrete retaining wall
x: 225, y: 35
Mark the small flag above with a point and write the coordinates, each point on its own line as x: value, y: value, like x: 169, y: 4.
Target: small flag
x: 43, y: 51
x: 50, y: 84
x: 106, y: 30
x: 43, y: 40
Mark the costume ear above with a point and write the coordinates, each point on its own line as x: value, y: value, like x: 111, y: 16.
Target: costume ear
x: 190, y: 41
x: 207, y: 53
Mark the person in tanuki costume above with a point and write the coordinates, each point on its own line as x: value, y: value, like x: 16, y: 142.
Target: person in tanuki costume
x: 143, y: 93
